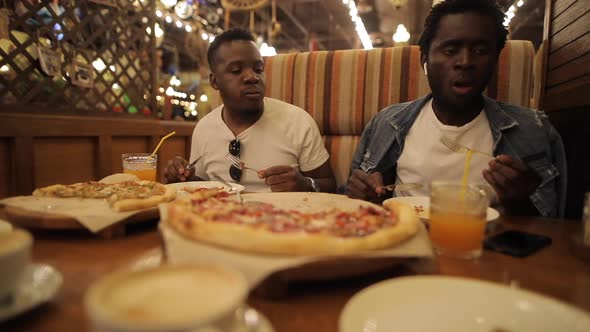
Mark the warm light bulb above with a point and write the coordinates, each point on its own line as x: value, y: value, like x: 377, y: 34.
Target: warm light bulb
x: 169, y: 3
x: 401, y: 34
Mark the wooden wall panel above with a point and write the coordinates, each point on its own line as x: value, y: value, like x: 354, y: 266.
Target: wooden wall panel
x: 570, y: 52
x: 122, y: 145
x: 39, y: 149
x: 568, y: 95
x: 569, y: 15
x: 559, y: 6
x: 567, y: 30
x: 575, y: 29
x: 70, y: 157
x: 569, y: 72
x: 568, y: 61
x: 5, y: 167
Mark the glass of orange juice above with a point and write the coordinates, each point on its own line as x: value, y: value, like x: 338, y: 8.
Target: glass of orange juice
x: 143, y: 165
x: 457, y: 219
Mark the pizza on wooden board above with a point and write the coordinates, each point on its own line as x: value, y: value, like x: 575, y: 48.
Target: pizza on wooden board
x: 121, y: 196
x: 213, y: 217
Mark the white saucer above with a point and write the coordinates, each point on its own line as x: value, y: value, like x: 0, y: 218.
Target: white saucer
x: 40, y: 284
x: 424, y: 201
x: 440, y: 303
x: 205, y: 184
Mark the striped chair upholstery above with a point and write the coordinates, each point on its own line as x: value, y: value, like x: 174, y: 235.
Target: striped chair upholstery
x: 342, y: 90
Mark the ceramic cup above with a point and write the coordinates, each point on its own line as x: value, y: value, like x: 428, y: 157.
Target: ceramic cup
x: 167, y: 298
x: 15, y: 255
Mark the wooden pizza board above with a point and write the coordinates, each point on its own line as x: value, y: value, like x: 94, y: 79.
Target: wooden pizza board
x: 36, y: 220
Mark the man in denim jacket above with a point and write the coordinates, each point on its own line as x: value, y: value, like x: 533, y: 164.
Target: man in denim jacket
x: 460, y: 47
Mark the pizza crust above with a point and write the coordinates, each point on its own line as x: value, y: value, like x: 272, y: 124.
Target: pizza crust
x: 250, y: 239
x: 144, y: 203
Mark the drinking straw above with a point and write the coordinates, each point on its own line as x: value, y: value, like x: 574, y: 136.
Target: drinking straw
x: 162, y: 140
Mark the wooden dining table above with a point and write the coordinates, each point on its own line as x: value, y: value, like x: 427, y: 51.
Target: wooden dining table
x: 310, y: 306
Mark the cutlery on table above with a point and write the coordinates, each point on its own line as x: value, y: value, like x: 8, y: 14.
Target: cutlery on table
x: 232, y: 188
x: 457, y: 147
x: 238, y: 163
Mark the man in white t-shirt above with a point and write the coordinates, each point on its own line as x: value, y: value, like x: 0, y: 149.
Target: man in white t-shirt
x: 280, y: 141
x: 460, y: 45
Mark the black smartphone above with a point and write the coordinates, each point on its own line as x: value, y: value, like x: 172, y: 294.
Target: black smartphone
x: 516, y: 243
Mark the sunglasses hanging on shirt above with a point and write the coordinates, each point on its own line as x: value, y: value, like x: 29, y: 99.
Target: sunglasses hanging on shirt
x: 234, y: 150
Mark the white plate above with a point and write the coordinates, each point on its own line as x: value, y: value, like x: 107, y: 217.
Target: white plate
x: 424, y: 201
x: 204, y: 184
x: 437, y: 303
x: 39, y: 284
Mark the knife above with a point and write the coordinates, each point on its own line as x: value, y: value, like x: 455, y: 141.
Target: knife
x: 403, y: 186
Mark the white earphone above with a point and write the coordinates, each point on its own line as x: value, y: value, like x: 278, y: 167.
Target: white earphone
x: 425, y: 70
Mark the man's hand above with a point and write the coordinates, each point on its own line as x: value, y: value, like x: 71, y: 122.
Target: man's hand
x: 364, y: 186
x: 284, y: 178
x: 513, y: 182
x: 176, y: 170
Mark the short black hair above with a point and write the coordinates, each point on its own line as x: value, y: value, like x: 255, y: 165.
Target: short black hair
x: 226, y: 37
x: 487, y: 8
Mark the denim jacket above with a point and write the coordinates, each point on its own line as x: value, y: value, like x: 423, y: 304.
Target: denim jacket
x: 517, y: 131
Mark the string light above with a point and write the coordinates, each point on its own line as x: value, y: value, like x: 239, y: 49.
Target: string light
x: 358, y: 24
x: 188, y: 28
x: 511, y: 13
x: 203, y: 98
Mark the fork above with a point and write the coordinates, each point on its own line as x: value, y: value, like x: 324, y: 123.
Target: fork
x: 237, y: 162
x: 454, y: 146
x: 232, y: 188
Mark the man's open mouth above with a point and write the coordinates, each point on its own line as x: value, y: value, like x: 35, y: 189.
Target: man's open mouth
x: 462, y: 87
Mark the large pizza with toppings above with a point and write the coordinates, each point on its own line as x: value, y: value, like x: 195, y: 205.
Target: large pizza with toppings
x: 216, y: 218
x: 121, y: 196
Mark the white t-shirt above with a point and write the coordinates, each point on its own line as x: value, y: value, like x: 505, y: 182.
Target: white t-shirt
x: 424, y: 158
x: 284, y: 135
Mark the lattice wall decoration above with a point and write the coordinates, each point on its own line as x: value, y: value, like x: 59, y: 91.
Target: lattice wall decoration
x: 111, y: 39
